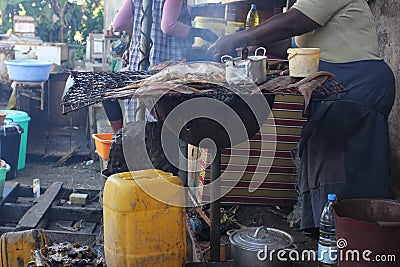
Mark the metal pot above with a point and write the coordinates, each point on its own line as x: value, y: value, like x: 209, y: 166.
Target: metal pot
x: 253, y: 67
x: 259, y: 246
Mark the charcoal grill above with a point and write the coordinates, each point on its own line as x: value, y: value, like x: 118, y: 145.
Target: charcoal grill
x: 201, y: 128
x: 197, y: 129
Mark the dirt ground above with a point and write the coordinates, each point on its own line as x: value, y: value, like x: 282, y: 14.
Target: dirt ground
x: 77, y: 172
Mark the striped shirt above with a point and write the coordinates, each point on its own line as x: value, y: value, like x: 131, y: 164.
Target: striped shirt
x: 164, y: 47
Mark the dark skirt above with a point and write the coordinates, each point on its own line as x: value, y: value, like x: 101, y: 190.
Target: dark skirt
x: 344, y: 146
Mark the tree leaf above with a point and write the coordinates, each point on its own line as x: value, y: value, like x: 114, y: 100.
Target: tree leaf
x: 4, y: 3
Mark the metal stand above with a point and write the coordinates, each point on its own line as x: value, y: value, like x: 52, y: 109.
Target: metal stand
x: 215, y: 205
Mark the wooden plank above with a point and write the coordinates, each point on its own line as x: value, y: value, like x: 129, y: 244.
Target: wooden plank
x: 9, y: 188
x: 203, y: 215
x: 92, y: 130
x: 75, y: 213
x: 33, y: 216
x: 13, y: 212
x: 21, y: 191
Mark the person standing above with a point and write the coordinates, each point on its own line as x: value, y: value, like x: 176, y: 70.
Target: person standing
x: 171, y: 34
x: 344, y: 145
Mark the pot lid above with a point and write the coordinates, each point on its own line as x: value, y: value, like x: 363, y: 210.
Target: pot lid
x: 255, y: 238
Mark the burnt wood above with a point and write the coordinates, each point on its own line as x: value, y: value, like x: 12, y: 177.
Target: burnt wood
x: 35, y: 214
x: 76, y: 213
x: 12, y: 212
x: 8, y: 190
x: 52, y: 212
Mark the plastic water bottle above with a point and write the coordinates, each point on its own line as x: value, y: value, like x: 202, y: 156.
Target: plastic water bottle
x: 252, y: 18
x: 36, y: 187
x: 327, y: 248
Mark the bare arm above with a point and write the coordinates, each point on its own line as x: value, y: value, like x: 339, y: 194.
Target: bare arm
x: 169, y: 22
x: 123, y: 20
x: 275, y: 29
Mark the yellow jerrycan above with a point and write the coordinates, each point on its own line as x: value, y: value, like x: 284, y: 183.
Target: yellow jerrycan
x: 16, y: 247
x: 144, y: 220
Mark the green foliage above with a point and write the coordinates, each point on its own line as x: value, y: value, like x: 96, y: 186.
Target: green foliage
x: 6, y: 17
x: 56, y: 20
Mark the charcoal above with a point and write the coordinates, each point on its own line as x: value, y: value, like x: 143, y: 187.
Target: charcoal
x: 137, y: 154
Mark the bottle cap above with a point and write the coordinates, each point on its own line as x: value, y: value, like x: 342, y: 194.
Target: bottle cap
x: 253, y: 6
x: 331, y: 197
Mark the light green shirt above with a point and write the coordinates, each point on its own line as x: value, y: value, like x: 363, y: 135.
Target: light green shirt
x: 347, y: 32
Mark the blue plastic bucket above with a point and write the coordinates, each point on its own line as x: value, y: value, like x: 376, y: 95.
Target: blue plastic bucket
x: 30, y: 70
x: 22, y: 118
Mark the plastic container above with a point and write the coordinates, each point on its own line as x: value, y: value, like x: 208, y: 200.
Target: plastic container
x: 30, y: 70
x: 10, y: 139
x: 233, y: 26
x: 327, y: 249
x: 16, y: 247
x: 252, y: 18
x: 103, y: 144
x: 303, y: 61
x: 368, y: 225
x: 22, y: 118
x: 3, y: 171
x: 216, y: 25
x: 139, y: 229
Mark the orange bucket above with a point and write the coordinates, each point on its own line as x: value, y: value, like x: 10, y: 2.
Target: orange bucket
x: 103, y: 144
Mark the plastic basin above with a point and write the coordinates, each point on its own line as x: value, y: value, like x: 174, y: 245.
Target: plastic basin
x: 22, y: 118
x: 30, y: 70
x: 103, y: 144
x: 368, y: 232
x: 3, y: 172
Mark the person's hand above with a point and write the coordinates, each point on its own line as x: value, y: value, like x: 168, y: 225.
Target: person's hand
x: 125, y: 56
x: 225, y: 45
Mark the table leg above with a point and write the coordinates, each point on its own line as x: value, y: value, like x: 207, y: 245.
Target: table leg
x: 215, y: 214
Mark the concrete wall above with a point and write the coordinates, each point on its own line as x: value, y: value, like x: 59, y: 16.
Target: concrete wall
x: 387, y: 21
x: 110, y: 9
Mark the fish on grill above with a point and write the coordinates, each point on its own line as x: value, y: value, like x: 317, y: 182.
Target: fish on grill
x: 86, y: 88
x: 194, y: 78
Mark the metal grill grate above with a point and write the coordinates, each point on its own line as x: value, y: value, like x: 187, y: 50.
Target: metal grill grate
x: 328, y: 88
x: 86, y: 88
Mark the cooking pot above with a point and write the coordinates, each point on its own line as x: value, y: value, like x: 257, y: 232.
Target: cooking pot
x: 259, y: 246
x: 253, y: 67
